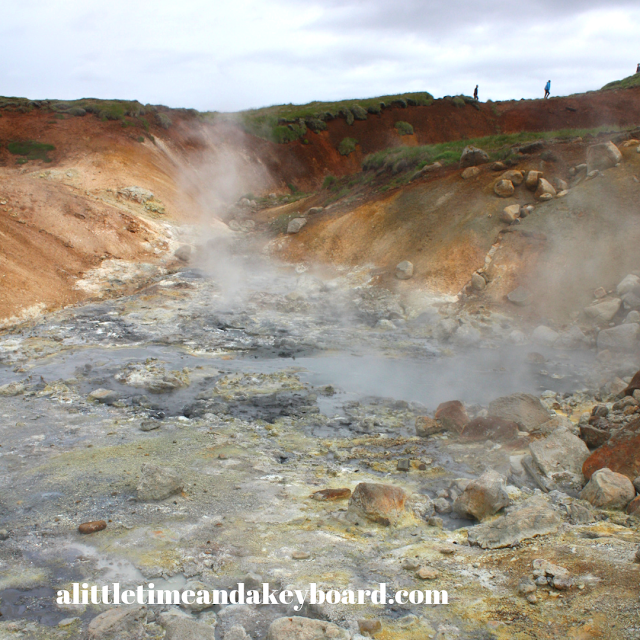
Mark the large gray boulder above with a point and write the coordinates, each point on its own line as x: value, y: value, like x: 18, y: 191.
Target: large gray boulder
x: 560, y: 452
x: 472, y: 156
x: 522, y: 408
x: 158, y: 483
x: 119, y: 623
x: 296, y: 224
x: 628, y: 284
x: 603, y: 156
x: 533, y: 518
x: 483, y: 497
x: 609, y: 490
x: 299, y: 628
x: 603, y: 312
x: 624, y: 337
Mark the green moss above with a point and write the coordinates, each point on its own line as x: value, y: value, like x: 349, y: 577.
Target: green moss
x: 31, y: 150
x: 328, y: 182
x: 626, y: 83
x: 347, y: 146
x: 404, y: 128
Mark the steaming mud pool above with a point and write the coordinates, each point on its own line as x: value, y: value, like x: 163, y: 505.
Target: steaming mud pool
x: 197, y: 422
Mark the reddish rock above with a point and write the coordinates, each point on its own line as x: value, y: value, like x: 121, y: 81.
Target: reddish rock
x: 332, y: 494
x: 620, y: 454
x: 381, y: 503
x: 490, y: 428
x: 92, y: 527
x: 633, y: 385
x: 452, y: 415
x: 633, y: 509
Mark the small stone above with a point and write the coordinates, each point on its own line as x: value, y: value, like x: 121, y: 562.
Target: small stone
x: 404, y: 465
x: 92, y: 527
x: 299, y: 628
x: 504, y: 188
x: 381, y: 503
x: 520, y: 296
x: 533, y: 177
x: 452, y: 415
x: 300, y: 555
x: 483, y: 497
x: 447, y: 550
x: 296, y: 224
x: 526, y: 586
x: 4, y: 535
x: 510, y: 214
x: 426, y: 426
x: 434, y: 521
x: 514, y: 176
x: 331, y: 494
x: 410, y: 564
x: 404, y: 270
x: 478, y: 283
x: 600, y: 292
x: 427, y: 573
x: 608, y: 489
x: 370, y: 627
x: 470, y: 172
x: 637, y: 558
x: 442, y: 505
x: 532, y: 598
x: 121, y: 623
x: 158, y: 483
x: 12, y: 389
x: 183, y: 253
x: 67, y: 622
x: 149, y: 425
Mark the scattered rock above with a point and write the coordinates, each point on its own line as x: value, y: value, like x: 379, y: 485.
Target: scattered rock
x: 300, y: 555
x: 478, y: 283
x: 602, y: 156
x: 560, y: 452
x: 520, y: 296
x: 442, y: 505
x: 629, y: 284
x: 104, y: 396
x: 593, y: 436
x: 182, y: 627
x: 420, y: 505
x: 296, y: 224
x: 472, y: 156
x: 609, y: 490
x: 526, y: 586
x: 452, y: 415
x: 533, y: 177
x: 515, y: 177
x: 4, y: 535
x: 470, y: 172
x: 545, y: 335
x: 236, y: 632
x: 404, y: 270
x: 633, y: 508
x: 624, y: 337
x: 121, y: 623
x: 560, y: 184
x: 544, y: 189
x: 533, y: 518
x: 603, y: 312
x: 158, y: 483
x: 331, y: 494
x: 522, y: 408
x: 315, y: 210
x: 12, y: 389
x: 504, y: 188
x: 600, y: 292
x: 298, y: 628
x: 483, y: 497
x: 381, y: 503
x: 427, y: 573
x: 510, y: 214
x: 183, y: 253
x: 490, y: 428
x: 92, y: 527
x: 426, y: 426
x: 370, y: 627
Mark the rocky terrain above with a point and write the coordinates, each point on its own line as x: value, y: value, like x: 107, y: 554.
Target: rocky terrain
x: 432, y: 383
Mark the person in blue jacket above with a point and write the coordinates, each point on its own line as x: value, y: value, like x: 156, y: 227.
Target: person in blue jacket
x: 547, y: 89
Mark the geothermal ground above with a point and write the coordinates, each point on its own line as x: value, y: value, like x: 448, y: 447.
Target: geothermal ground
x: 257, y: 406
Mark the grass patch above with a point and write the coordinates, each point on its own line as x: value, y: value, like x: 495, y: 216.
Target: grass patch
x: 499, y: 147
x: 328, y: 182
x: 404, y: 128
x: 625, y: 83
x: 347, y: 146
x: 30, y: 150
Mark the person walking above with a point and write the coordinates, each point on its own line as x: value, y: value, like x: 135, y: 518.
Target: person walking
x: 638, y: 68
x: 547, y: 89
x: 475, y: 92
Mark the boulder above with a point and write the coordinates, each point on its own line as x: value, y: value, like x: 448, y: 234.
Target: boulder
x: 470, y: 172
x: 594, y: 437
x: 633, y: 508
x: 624, y: 337
x: 296, y: 224
x: 490, y: 428
x: 103, y: 396
x: 483, y: 497
x: 533, y: 518
x: 520, y: 296
x: 544, y: 189
x: 299, y: 628
x: 381, y: 503
x: 522, y: 408
x: 603, y: 312
x: 603, y: 156
x: 560, y: 184
x: 478, y: 283
x: 516, y: 177
x: 158, y: 483
x: 12, y: 389
x: 629, y: 284
x: 120, y: 623
x: 533, y: 177
x: 452, y: 415
x: 545, y: 335
x: 504, y: 188
x: 472, y: 156
x: 404, y: 270
x: 632, y: 317
x: 621, y: 454
x: 560, y: 452
x: 510, y: 214
x: 183, y: 253
x: 633, y: 385
x: 609, y: 490
x: 183, y: 628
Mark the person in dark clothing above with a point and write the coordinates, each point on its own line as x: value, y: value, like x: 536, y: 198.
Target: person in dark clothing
x: 475, y: 92
x: 547, y: 89
x: 638, y: 68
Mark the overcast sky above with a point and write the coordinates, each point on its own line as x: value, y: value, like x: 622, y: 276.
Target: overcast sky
x: 235, y: 54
